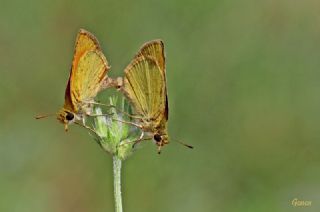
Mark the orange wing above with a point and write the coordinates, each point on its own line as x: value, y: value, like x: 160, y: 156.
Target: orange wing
x: 87, y: 78
x: 85, y: 42
x: 154, y: 49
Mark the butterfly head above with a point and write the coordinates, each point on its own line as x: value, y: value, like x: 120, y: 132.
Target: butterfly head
x: 161, y: 140
x: 66, y: 117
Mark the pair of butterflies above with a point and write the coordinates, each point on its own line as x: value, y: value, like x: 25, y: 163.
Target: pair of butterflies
x: 144, y: 84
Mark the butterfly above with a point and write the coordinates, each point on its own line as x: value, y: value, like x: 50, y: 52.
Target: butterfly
x: 88, y: 72
x: 144, y: 84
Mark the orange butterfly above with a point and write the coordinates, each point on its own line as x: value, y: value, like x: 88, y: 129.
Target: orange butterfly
x: 144, y: 84
x: 88, y: 73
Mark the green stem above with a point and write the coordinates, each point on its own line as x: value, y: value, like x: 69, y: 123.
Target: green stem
x: 117, y: 183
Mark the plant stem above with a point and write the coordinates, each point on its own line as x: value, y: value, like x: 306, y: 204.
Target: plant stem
x: 117, y: 183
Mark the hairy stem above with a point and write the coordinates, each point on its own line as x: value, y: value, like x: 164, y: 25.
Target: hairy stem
x: 117, y: 183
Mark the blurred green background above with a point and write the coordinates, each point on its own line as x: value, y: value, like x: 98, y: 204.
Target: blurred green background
x: 243, y: 85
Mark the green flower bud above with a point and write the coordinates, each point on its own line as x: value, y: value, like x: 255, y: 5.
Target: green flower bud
x: 116, y: 137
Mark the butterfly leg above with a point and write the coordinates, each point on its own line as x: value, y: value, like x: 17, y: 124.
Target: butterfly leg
x: 110, y: 114
x: 98, y: 103
x: 141, y: 136
x: 129, y: 115
x: 95, y: 115
x: 128, y: 122
x: 88, y: 128
x: 140, y: 139
x: 135, y: 142
x: 118, y: 110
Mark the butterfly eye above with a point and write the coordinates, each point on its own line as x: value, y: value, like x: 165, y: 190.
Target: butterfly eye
x: 157, y: 137
x: 69, y: 116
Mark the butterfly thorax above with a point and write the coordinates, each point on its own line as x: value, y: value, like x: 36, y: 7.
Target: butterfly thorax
x: 150, y: 125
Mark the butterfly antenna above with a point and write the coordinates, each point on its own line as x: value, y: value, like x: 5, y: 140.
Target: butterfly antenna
x: 43, y: 116
x: 184, y: 144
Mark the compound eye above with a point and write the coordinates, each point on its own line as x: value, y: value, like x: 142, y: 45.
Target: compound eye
x: 157, y: 137
x: 69, y: 116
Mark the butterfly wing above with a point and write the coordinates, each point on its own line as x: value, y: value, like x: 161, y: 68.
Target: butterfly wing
x: 144, y: 84
x: 85, y: 42
x: 88, y: 76
x: 155, y: 49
